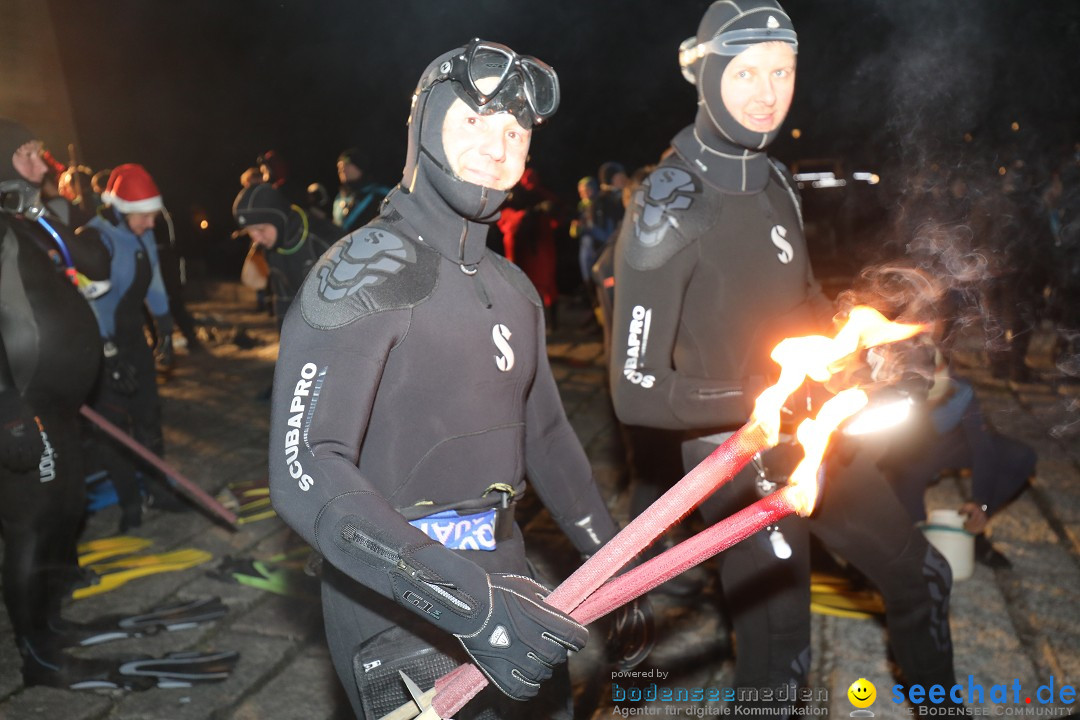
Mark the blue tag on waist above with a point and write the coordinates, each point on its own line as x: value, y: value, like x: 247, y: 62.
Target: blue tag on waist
x: 475, y: 531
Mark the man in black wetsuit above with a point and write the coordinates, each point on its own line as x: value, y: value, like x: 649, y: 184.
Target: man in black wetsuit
x: 711, y: 272
x: 48, y: 364
x: 411, y: 397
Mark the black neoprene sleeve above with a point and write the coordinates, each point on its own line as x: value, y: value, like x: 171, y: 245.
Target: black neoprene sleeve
x: 558, y: 467
x: 646, y: 389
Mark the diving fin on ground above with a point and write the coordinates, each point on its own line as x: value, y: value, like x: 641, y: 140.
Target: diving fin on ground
x: 162, y: 619
x: 135, y: 673
x: 836, y: 595
x: 94, y: 551
x: 282, y: 574
x: 182, y: 555
x: 180, y: 670
x: 112, y: 575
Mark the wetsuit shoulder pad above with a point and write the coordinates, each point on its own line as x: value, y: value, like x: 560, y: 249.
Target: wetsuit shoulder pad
x: 368, y: 271
x: 663, y: 215
x: 516, y: 277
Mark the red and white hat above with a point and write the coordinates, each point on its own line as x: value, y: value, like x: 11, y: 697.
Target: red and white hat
x: 132, y: 190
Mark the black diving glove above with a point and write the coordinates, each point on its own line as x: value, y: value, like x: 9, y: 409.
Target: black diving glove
x: 522, y: 639
x: 632, y: 634
x: 120, y: 375
x: 21, y: 446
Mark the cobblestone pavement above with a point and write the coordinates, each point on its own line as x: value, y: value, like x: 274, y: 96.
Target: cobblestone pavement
x: 1019, y: 624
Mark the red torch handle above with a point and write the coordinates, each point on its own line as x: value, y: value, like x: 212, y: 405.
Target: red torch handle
x: 707, y: 543
x: 460, y: 685
x: 718, y: 468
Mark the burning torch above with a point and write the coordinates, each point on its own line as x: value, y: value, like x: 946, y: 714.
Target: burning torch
x: 589, y: 593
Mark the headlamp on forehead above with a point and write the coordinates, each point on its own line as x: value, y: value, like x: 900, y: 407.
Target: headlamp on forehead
x: 525, y: 87
x: 730, y: 44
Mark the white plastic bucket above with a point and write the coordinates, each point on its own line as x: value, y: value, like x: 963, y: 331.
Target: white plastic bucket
x: 945, y: 531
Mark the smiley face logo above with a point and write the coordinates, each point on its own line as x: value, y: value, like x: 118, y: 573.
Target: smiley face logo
x: 862, y: 693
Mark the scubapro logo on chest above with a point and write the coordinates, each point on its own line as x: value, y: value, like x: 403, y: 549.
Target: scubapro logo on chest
x: 778, y: 235
x: 500, y: 335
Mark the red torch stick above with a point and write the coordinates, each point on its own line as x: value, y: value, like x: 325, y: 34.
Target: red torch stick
x: 729, y: 531
x: 718, y: 468
x: 196, y: 493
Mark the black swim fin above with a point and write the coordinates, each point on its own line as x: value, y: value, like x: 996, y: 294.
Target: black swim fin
x: 136, y: 673
x: 122, y: 627
x: 183, y: 669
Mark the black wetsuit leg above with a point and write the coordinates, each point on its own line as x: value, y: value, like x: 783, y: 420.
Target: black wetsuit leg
x: 767, y: 597
x: 861, y: 520
x: 40, y: 514
x: 138, y: 414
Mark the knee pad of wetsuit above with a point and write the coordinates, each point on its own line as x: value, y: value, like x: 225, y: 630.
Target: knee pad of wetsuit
x: 378, y: 660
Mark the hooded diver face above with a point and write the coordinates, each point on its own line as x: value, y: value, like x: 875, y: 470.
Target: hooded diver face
x: 758, y: 84
x: 745, y: 80
x: 487, y: 150
x: 471, y: 159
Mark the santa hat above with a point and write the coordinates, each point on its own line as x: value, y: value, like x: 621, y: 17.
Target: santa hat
x: 132, y: 190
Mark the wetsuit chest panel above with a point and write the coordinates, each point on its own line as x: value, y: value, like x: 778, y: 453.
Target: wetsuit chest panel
x: 452, y: 397
x: 50, y: 333
x: 752, y: 266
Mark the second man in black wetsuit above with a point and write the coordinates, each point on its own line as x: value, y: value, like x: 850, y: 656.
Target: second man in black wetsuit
x: 711, y: 271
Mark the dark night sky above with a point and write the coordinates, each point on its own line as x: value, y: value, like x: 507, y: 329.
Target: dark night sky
x: 195, y: 89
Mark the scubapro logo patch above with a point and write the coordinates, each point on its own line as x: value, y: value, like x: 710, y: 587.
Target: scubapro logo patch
x: 292, y: 436
x: 779, y: 239
x: 500, y: 334
x: 637, y: 340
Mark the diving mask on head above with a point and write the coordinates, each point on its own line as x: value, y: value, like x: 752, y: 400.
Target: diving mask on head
x: 526, y: 87
x: 19, y: 197
x: 730, y: 44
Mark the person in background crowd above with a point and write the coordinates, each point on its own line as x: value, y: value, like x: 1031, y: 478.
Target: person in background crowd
x: 357, y: 201
x: 318, y: 201
x: 528, y: 224
x: 284, y: 237
x: 251, y: 177
x: 275, y: 172
x: 592, y: 228
x: 128, y: 394
x: 613, y: 181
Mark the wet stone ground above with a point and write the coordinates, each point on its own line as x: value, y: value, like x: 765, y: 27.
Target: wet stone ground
x: 1012, y: 625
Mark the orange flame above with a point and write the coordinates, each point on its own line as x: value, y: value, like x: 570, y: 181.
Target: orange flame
x: 818, y: 357
x: 813, y: 434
